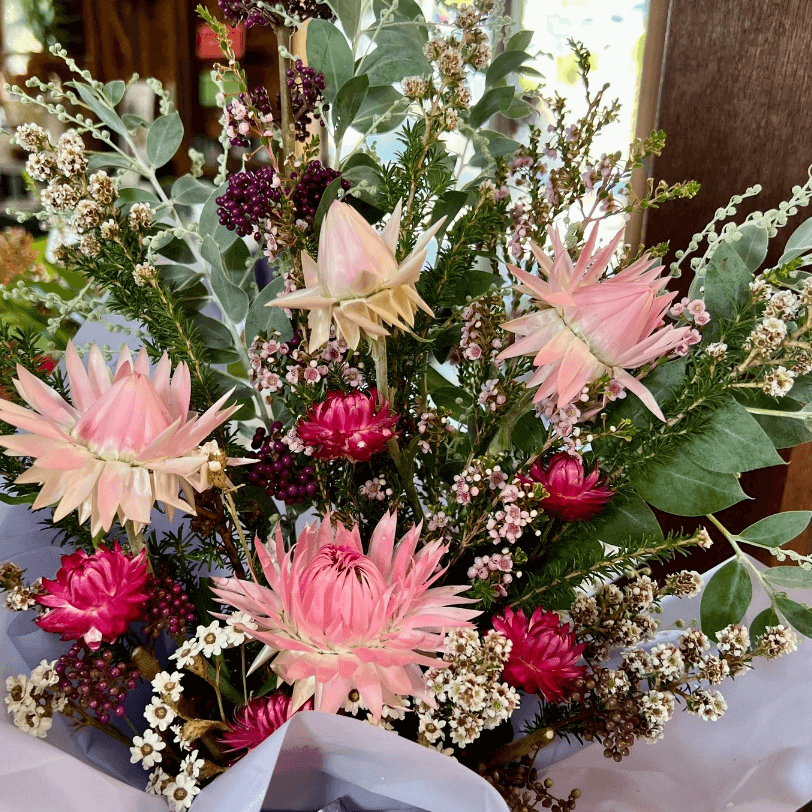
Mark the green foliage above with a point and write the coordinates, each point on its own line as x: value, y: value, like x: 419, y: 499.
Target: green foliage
x: 797, y: 615
x: 726, y: 284
x: 164, y: 139
x: 726, y: 598
x: 766, y: 617
x: 625, y: 518
x: 777, y: 530
x: 328, y: 53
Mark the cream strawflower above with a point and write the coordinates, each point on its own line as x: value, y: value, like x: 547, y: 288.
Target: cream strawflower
x: 166, y: 684
x: 357, y: 281
x: 147, y: 749
x: 158, y: 714
x: 126, y: 442
x: 181, y: 792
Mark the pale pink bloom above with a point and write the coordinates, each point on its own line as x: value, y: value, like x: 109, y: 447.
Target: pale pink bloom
x: 587, y: 326
x: 357, y: 281
x: 338, y: 619
x: 125, y: 442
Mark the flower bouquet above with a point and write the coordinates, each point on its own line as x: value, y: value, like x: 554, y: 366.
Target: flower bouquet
x: 390, y: 444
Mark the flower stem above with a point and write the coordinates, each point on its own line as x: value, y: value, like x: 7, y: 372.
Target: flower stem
x: 283, y: 37
x: 232, y: 509
x: 377, y: 348
x: 136, y: 540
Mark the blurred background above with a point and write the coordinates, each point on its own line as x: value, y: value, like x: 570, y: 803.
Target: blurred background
x: 728, y: 81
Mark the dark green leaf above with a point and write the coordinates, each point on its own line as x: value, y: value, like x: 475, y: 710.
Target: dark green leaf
x: 448, y: 206
x: 507, y: 62
x: 529, y: 434
x: 164, y: 139
x: 446, y: 397
x: 114, y: 91
x: 327, y: 199
x: 210, y: 222
x: 663, y: 382
x: 733, y: 442
x: 752, y: 247
x: 378, y: 102
x: 133, y: 123
x: 682, y: 488
x: 25, y: 499
x: 329, y: 53
x: 388, y: 64
x: 264, y: 319
x: 778, y: 529
x: 784, y: 432
x: 347, y: 104
x: 214, y: 334
x: 519, y: 109
x: 798, y: 616
x: 726, y: 283
x: 725, y: 598
x: 189, y: 191
x: 271, y: 683
x: 766, y: 617
x: 406, y: 10
x: 789, y: 577
x: 625, y: 519
x: 802, y: 388
x: 232, y: 299
x: 134, y: 194
x: 493, y: 101
x: 520, y: 41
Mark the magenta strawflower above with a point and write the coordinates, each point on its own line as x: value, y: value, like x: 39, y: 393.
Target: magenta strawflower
x: 588, y: 325
x: 573, y: 495
x: 544, y: 656
x: 257, y: 720
x: 336, y: 618
x: 348, y: 426
x: 95, y: 597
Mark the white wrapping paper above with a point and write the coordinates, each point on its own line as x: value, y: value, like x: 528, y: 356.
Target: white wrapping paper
x: 757, y: 758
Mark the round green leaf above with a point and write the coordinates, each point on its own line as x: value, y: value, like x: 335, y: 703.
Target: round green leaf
x: 163, y: 139
x: 625, y: 519
x: 789, y: 577
x: 726, y: 598
x: 773, y: 531
x: 264, y: 319
x: 760, y: 622
x: 798, y: 616
x: 329, y: 53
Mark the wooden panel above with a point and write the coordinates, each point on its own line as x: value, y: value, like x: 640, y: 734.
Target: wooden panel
x: 736, y: 104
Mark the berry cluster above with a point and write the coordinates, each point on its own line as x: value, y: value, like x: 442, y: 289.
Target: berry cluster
x: 168, y: 607
x: 251, y: 198
x: 275, y: 472
x: 253, y: 13
x: 94, y: 681
x: 309, y: 191
x: 306, y: 87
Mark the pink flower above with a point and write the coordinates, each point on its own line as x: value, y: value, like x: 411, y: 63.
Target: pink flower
x: 125, y: 442
x: 573, y: 496
x: 586, y: 326
x: 254, y: 722
x: 95, y: 597
x: 544, y: 654
x: 357, y: 281
x: 347, y: 426
x: 342, y: 619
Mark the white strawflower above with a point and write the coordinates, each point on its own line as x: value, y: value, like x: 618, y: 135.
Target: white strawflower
x: 192, y: 765
x: 157, y: 780
x: 144, y: 274
x: 158, y: 714
x: 147, y: 749
x: 181, y: 792
x: 179, y: 739
x: 212, y: 639
x: 185, y: 655
x: 166, y: 684
x: 44, y: 676
x: 353, y: 703
x: 667, y: 661
x: 431, y: 728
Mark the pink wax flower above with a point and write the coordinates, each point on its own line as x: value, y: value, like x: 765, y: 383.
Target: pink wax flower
x: 544, y: 654
x: 95, y: 597
x: 337, y: 618
x: 573, y: 495
x: 348, y: 426
x: 257, y: 720
x: 587, y: 326
x: 127, y: 440
x: 357, y: 281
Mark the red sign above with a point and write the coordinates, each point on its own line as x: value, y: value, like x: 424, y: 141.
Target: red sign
x: 209, y: 48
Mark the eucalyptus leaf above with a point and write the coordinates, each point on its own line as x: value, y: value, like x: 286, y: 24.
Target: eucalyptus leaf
x: 388, y: 64
x: 778, y: 529
x: 752, y: 247
x: 103, y: 160
x: 348, y: 102
x: 520, y: 41
x: 214, y: 334
x: 789, y: 577
x: 507, y: 62
x: 726, y: 283
x: 378, y: 102
x: 189, y: 191
x: 114, y: 91
x: 133, y: 123
x: 349, y: 13
x: 798, y: 616
x: 210, y: 222
x: 625, y: 519
x: 784, y: 432
x: 264, y: 319
x: 732, y: 442
x: 329, y: 53
x: 799, y: 243
x: 164, y: 139
x: 104, y: 113
x: 492, y: 102
x: 232, y: 299
x: 766, y: 617
x: 725, y: 598
x: 681, y: 487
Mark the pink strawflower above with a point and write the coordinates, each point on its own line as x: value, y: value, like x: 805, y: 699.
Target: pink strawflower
x: 544, y: 654
x: 254, y: 722
x: 358, y: 282
x: 95, y: 597
x: 347, y: 426
x: 336, y: 618
x: 573, y: 495
x: 587, y: 326
x: 127, y: 440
